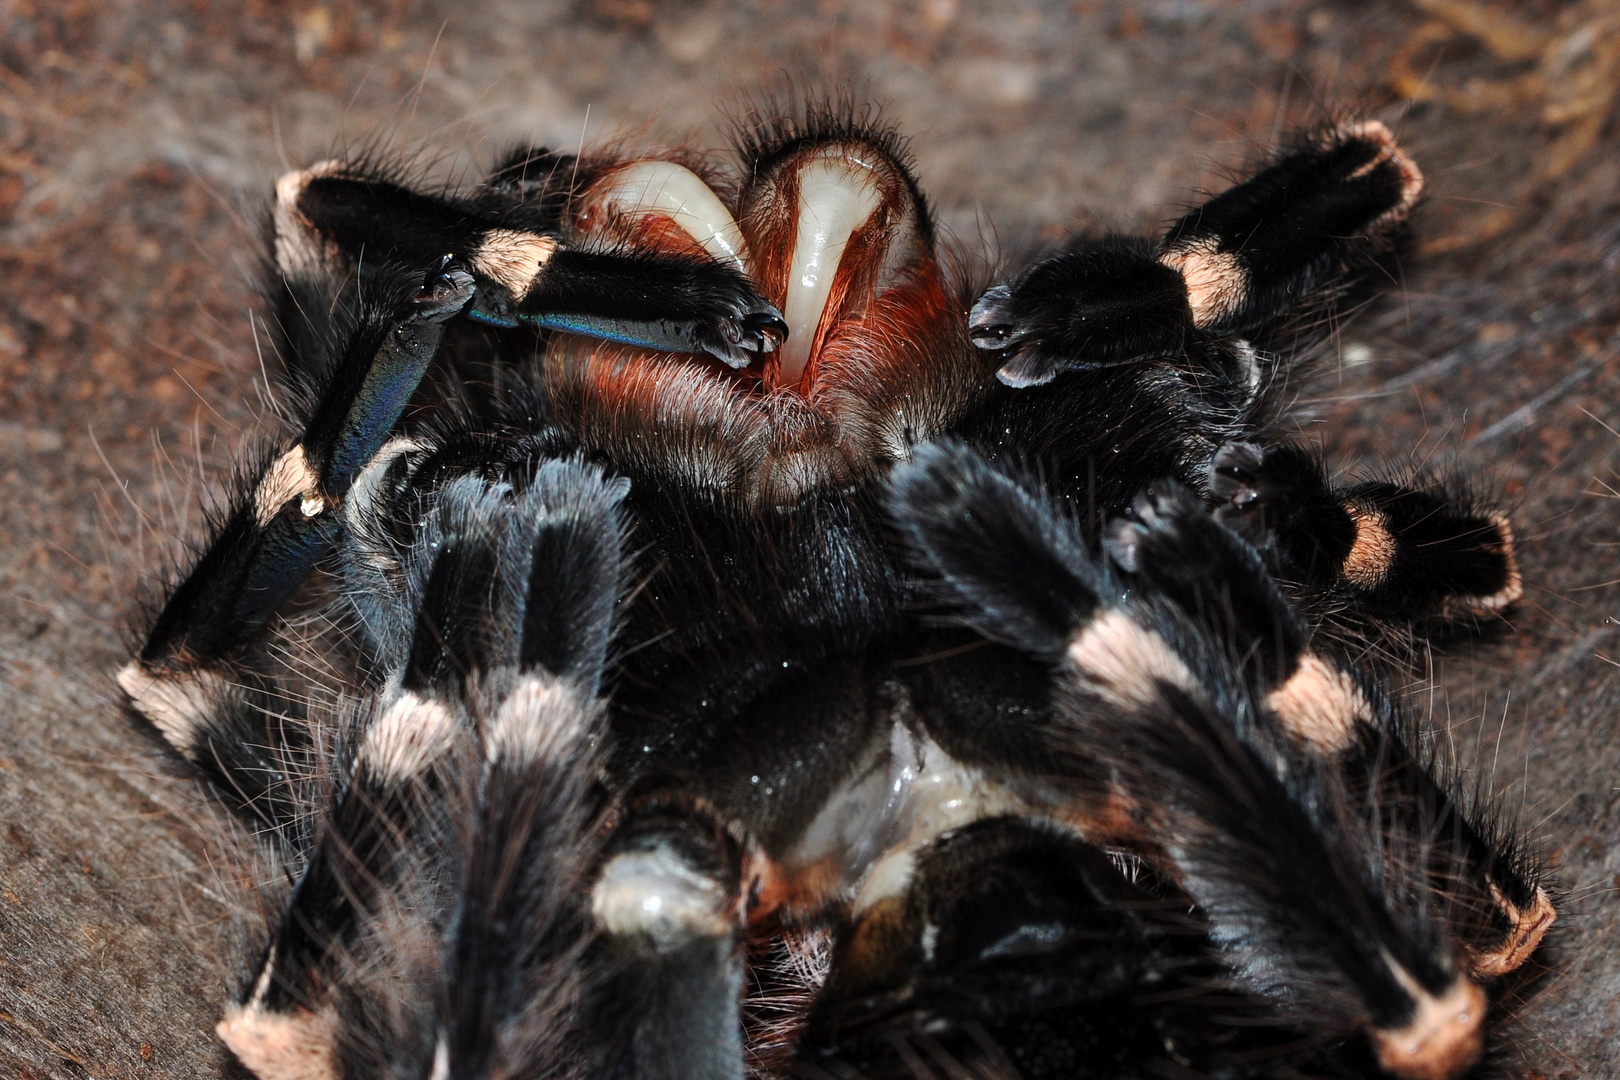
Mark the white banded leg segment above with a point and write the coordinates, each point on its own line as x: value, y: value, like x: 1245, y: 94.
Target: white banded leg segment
x: 668, y: 1007
x: 1374, y: 550
x: 514, y: 259
x: 300, y: 250
x: 1444, y: 1038
x: 289, y: 477
x: 665, y: 189
x: 1320, y: 705
x: 1217, y: 283
x: 1528, y: 927
x: 1375, y: 131
x: 1123, y: 661
x: 280, y: 1046
x: 407, y: 738
x: 178, y: 705
x: 1512, y: 589
x: 363, y: 527
x: 655, y: 895
x: 542, y: 720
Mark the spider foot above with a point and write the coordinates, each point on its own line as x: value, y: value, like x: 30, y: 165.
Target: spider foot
x: 1278, y: 494
x: 1083, y: 309
x: 741, y: 330
x: 443, y: 294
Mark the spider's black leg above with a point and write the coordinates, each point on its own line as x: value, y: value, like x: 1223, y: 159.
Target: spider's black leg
x: 1294, y: 234
x: 667, y: 973
x: 192, y: 678
x: 470, y: 816
x: 515, y: 964
x: 1016, y: 941
x: 1092, y: 307
x: 1310, y: 907
x: 388, y: 802
x: 1384, y: 549
x: 675, y: 303
x: 646, y: 933
x: 1260, y: 836
x: 1303, y: 227
x: 1131, y: 361
x: 1175, y: 549
x: 1232, y: 274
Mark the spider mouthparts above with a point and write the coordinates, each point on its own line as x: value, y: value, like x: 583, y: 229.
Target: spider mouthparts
x: 837, y: 196
x: 663, y: 189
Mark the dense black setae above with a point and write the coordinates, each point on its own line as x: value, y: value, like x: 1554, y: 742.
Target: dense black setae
x: 703, y: 566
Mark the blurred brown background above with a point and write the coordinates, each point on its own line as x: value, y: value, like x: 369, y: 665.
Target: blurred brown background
x: 138, y: 142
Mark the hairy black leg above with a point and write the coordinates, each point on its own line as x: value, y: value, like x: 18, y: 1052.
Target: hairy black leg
x: 199, y: 678
x: 1092, y: 307
x: 1293, y: 235
x: 654, y: 301
x: 516, y: 953
x: 1022, y: 570
x: 288, y: 520
x: 667, y: 972
x: 1310, y: 909
x: 470, y: 811
x: 460, y: 630
x: 1296, y: 229
x: 1262, y: 837
x: 384, y: 513
x: 1176, y: 553
x: 669, y: 302
x: 1168, y: 542
x: 1490, y: 886
x: 1171, y: 545
x: 1014, y: 571
x: 1016, y: 941
x: 1406, y: 551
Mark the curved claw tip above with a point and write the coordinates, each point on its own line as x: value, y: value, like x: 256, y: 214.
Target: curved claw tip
x: 990, y: 321
x: 444, y: 294
x: 1022, y: 373
x: 991, y: 337
x: 770, y: 330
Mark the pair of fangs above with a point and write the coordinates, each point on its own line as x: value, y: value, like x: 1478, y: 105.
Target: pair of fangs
x: 821, y: 231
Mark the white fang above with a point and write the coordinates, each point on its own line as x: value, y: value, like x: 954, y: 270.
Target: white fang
x: 666, y: 189
x: 836, y: 197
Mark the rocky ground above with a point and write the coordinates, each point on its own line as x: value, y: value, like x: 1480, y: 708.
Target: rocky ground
x: 138, y: 142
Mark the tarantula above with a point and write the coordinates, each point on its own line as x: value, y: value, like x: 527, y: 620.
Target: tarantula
x: 693, y: 631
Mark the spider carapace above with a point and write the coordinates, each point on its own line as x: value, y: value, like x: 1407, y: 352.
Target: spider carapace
x: 746, y: 645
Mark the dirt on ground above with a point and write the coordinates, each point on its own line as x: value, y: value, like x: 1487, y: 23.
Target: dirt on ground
x: 138, y: 143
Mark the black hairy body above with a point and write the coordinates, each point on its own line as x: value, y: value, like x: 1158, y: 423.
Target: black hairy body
x: 778, y: 739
